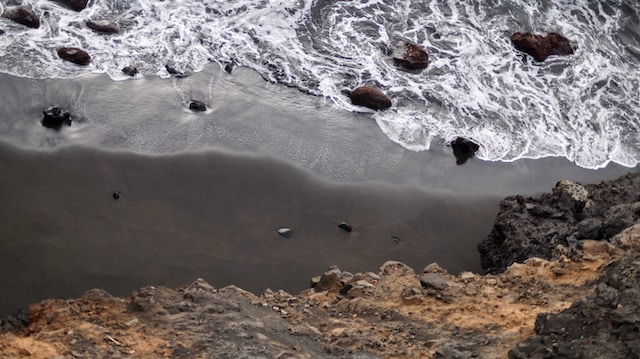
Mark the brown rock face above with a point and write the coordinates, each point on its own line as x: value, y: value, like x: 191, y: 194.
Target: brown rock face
x: 370, y: 97
x: 76, y: 5
x: 23, y: 16
x: 413, y: 57
x: 75, y: 55
x: 541, y: 47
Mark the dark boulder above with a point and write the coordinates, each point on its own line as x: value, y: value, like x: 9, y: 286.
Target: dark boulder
x: 75, y: 55
x: 76, y: 5
x: 411, y: 57
x: 197, y: 106
x: 228, y: 67
x: 370, y: 97
x: 103, y: 26
x: 116, y: 195
x: 55, y: 117
x: 172, y: 71
x: 463, y: 149
x: 541, y: 47
x: 130, y: 71
x: 23, y: 16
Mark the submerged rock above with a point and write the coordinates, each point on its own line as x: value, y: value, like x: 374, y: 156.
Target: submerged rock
x: 116, y: 195
x: 370, y: 97
x: 103, y: 26
x: 411, y: 56
x: 463, y: 149
x: 55, y: 117
x: 541, y: 47
x: 75, y: 55
x: 23, y: 16
x: 197, y: 106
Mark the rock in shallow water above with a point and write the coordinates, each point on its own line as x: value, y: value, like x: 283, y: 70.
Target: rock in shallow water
x: 23, y: 16
x: 463, y: 149
x: 197, y: 106
x: 411, y: 56
x: 541, y: 47
x: 76, y: 5
x: 370, y: 97
x: 75, y: 55
x: 102, y: 26
x: 55, y: 117
x: 130, y: 71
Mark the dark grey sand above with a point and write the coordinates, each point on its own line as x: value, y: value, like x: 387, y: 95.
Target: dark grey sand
x: 204, y: 194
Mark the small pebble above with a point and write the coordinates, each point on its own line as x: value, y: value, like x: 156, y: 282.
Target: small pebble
x: 285, y: 232
x: 345, y: 226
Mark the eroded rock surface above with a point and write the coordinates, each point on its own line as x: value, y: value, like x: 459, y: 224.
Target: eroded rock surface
x: 558, y: 223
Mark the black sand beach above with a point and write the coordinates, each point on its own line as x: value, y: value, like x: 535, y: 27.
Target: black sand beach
x: 204, y: 194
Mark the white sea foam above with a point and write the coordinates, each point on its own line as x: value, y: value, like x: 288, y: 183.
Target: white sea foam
x: 585, y: 107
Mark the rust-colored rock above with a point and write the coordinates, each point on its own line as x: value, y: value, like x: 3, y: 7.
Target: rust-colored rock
x: 411, y: 57
x: 23, y: 16
x: 75, y: 55
x: 370, y: 97
x: 541, y: 47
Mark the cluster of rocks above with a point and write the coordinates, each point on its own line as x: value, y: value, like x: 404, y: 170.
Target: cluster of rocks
x: 558, y: 223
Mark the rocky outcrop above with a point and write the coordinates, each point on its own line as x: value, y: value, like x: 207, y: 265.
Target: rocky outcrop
x: 23, y: 16
x: 541, y: 47
x: 411, y: 56
x: 103, y: 26
x: 75, y: 55
x: 558, y: 223
x: 463, y: 149
x: 370, y: 97
x: 77, y: 5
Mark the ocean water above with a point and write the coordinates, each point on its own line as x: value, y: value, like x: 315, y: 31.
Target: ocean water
x: 584, y: 107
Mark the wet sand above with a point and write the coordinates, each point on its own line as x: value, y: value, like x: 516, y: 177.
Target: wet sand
x: 204, y: 194
x: 215, y: 215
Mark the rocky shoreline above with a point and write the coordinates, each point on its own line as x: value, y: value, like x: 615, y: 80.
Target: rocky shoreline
x: 563, y: 282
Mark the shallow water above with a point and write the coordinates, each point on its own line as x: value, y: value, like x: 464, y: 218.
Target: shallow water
x: 584, y: 107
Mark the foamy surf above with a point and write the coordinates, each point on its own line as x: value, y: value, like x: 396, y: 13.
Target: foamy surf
x: 585, y: 107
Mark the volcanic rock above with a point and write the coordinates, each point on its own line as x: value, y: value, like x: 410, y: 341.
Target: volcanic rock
x: 130, y: 71
x: 370, y: 97
x: 197, y: 106
x: 541, y: 47
x: 411, y: 56
x: 76, y: 5
x: 463, y: 149
x: 103, y: 26
x: 558, y: 222
x: 55, y: 117
x: 23, y: 16
x: 75, y: 55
